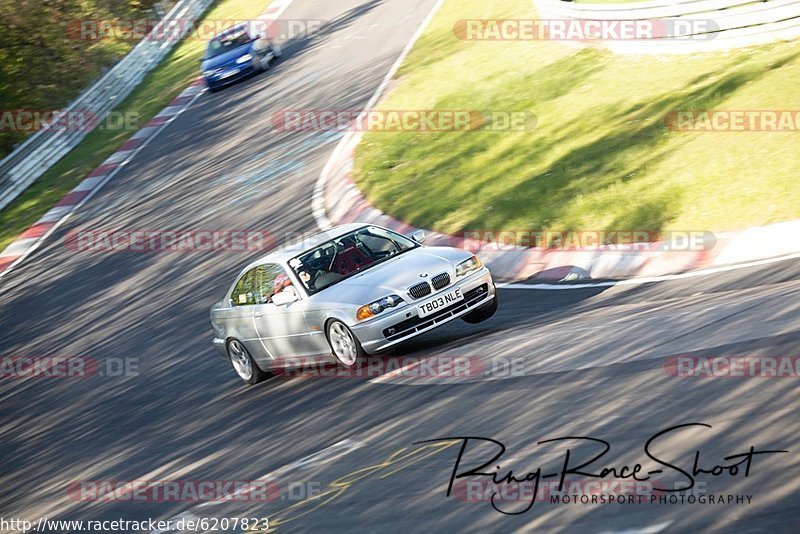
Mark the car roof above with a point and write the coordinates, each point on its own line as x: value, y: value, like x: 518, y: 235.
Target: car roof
x: 244, y: 26
x: 295, y: 248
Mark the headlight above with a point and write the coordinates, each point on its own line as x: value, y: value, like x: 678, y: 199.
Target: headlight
x: 467, y: 266
x: 245, y: 58
x: 374, y: 308
x: 209, y: 72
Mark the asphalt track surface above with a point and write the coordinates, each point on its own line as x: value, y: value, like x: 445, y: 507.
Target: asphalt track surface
x: 592, y: 359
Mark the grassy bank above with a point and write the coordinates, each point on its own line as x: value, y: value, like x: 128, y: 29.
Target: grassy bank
x: 160, y: 86
x: 44, y: 61
x: 600, y: 156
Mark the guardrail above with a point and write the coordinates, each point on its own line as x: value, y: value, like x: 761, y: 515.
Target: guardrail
x: 43, y: 149
x: 735, y: 23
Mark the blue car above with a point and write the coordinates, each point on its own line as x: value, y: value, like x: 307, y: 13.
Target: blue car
x: 236, y: 53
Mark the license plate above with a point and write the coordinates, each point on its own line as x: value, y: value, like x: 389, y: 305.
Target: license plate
x: 439, y: 303
x: 229, y: 73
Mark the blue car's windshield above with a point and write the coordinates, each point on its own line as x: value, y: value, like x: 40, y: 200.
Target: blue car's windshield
x: 340, y: 258
x: 224, y: 43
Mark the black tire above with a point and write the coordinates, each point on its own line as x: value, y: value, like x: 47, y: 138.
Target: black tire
x: 483, y: 313
x: 237, y: 354
x: 334, y: 330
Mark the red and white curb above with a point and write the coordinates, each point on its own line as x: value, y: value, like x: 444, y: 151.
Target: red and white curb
x: 34, y: 236
x: 27, y: 242
x: 340, y: 201
x: 337, y: 200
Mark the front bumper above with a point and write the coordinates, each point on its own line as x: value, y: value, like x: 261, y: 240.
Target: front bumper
x: 243, y: 71
x: 403, y: 324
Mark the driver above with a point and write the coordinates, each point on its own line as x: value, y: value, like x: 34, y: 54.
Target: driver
x: 305, y: 278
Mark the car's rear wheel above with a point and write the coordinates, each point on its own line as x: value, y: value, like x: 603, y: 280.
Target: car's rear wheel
x: 483, y: 313
x: 243, y: 363
x: 345, y: 347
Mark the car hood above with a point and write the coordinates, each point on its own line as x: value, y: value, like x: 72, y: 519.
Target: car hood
x: 226, y: 57
x: 394, y: 276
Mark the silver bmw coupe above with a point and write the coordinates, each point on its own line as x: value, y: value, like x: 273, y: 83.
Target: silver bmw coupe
x: 345, y: 293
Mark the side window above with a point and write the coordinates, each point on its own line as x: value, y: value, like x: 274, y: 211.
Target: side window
x: 265, y: 282
x: 243, y: 291
x: 257, y: 285
x: 377, y: 244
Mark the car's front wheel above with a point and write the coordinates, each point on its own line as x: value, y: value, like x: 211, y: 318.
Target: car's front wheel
x: 483, y: 313
x: 243, y: 363
x: 345, y: 347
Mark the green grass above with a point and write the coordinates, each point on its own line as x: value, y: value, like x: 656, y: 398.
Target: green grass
x: 600, y: 156
x: 160, y: 86
x: 71, y: 63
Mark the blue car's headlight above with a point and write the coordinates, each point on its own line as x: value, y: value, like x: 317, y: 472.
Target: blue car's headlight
x: 244, y: 59
x: 374, y: 308
x: 467, y: 266
x: 209, y: 73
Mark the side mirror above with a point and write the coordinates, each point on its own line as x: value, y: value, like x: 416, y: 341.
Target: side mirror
x: 284, y: 297
x: 418, y: 236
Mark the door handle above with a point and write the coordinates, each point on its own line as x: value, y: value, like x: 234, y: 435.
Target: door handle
x: 258, y: 315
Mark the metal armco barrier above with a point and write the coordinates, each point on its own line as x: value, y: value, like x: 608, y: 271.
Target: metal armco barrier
x: 43, y: 149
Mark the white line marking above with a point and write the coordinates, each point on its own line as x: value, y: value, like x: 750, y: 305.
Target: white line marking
x: 145, y: 131
x: 337, y: 450
x: 169, y: 111
x: 321, y: 216
x: 400, y: 371
x: 85, y: 199
x: 652, y: 529
x: 318, y: 198
x: 119, y: 155
x: 652, y: 279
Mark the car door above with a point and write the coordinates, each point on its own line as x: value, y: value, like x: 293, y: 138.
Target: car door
x: 282, y: 328
x: 238, y: 318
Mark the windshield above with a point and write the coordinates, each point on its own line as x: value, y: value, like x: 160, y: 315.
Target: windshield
x: 352, y: 253
x: 224, y: 43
